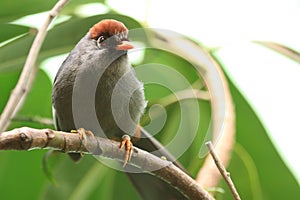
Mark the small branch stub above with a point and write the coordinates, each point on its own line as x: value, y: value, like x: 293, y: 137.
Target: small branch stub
x: 221, y: 168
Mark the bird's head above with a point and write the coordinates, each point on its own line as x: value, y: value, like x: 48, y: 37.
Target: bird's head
x: 111, y: 34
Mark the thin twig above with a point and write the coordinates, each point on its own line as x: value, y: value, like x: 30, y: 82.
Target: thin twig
x: 85, y: 142
x: 183, y: 95
x: 177, y: 97
x: 191, y: 93
x: 222, y: 170
x: 22, y: 87
x: 282, y: 49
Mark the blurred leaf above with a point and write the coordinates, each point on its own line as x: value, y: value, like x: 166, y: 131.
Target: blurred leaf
x: 7, y: 83
x: 282, y: 49
x: 73, y: 4
x: 9, y: 31
x: 15, y: 178
x: 182, y: 66
x: 39, y: 96
x: 47, y: 169
x: 10, y: 10
x: 156, y: 91
x: 37, y: 103
x: 275, y: 181
x: 191, y: 158
x: 20, y: 174
x: 88, y: 179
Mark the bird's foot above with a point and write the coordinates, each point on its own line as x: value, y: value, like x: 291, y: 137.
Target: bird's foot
x: 84, y: 135
x: 127, y: 144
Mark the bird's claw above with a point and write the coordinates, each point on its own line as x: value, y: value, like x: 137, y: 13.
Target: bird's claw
x: 84, y: 135
x: 126, y: 142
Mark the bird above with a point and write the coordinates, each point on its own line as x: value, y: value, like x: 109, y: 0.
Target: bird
x: 96, y: 88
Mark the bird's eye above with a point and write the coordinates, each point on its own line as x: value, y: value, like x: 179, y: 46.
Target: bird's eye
x: 100, y: 40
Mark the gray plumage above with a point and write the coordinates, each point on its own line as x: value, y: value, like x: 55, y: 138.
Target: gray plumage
x: 97, y: 82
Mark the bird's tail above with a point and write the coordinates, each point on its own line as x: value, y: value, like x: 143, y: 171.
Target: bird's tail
x: 149, y: 186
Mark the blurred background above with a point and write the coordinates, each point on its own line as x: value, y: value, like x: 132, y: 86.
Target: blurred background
x: 264, y: 84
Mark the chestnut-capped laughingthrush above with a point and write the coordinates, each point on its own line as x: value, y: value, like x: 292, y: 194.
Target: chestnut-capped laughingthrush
x: 96, y: 88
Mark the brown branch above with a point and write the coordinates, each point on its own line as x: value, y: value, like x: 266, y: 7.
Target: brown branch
x: 28, y: 72
x: 222, y: 170
x: 84, y: 141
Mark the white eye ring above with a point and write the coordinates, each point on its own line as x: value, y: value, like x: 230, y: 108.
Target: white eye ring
x: 100, y: 40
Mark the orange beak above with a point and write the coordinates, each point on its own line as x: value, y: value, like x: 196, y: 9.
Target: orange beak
x: 125, y: 45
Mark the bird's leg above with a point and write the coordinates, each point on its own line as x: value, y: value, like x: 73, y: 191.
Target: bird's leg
x: 126, y: 142
x: 84, y: 135
x: 137, y: 134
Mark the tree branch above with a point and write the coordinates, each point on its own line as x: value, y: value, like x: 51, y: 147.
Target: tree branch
x: 222, y: 170
x: 28, y: 72
x: 85, y: 142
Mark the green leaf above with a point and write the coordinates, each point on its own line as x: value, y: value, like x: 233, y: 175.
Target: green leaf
x: 9, y: 31
x: 10, y: 10
x: 256, y: 167
x: 73, y: 4
x: 20, y: 174
x: 7, y: 83
x: 47, y: 169
x: 88, y: 179
x: 38, y: 101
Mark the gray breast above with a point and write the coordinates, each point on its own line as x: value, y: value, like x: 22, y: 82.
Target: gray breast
x: 108, y: 101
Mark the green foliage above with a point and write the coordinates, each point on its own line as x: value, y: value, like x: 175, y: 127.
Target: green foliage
x: 12, y: 10
x: 256, y: 167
